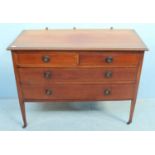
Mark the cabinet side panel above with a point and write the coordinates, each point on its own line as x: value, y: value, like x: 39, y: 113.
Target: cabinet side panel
x: 139, y: 69
x: 19, y: 89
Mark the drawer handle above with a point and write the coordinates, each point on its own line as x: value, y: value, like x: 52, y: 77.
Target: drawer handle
x: 109, y: 59
x: 47, y: 75
x: 107, y: 92
x: 48, y: 92
x: 108, y: 74
x: 46, y: 59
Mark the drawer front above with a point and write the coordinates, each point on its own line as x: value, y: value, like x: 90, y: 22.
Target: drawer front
x: 78, y: 92
x: 114, y: 59
x: 50, y: 75
x: 46, y: 59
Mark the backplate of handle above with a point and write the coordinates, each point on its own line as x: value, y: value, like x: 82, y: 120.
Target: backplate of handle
x: 107, y: 92
x: 46, y: 59
x: 47, y: 74
x: 109, y: 59
x: 48, y: 92
x: 108, y: 74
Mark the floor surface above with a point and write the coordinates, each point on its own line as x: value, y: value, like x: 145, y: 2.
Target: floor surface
x: 90, y: 116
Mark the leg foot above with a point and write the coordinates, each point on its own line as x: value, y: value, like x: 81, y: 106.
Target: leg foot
x: 132, y: 108
x: 129, y: 122
x: 24, y: 126
x: 22, y: 107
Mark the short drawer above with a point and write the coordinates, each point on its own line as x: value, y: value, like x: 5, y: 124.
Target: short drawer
x: 112, y: 59
x: 50, y: 75
x: 78, y: 92
x: 45, y: 59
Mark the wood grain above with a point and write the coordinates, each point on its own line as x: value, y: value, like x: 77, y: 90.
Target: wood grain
x: 119, y: 59
x: 102, y: 39
x: 77, y: 59
x: 37, y: 76
x: 62, y: 59
x: 78, y: 91
x: 70, y: 65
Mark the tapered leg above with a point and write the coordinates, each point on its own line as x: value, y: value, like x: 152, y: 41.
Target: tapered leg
x: 23, y: 112
x: 132, y: 108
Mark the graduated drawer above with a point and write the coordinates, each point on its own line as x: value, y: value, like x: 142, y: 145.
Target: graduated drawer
x: 49, y: 75
x: 109, y: 59
x: 46, y: 59
x: 78, y: 92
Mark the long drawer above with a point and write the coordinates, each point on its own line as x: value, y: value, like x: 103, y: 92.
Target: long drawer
x: 50, y: 75
x: 78, y: 92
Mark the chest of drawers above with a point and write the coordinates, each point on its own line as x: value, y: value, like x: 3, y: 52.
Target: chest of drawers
x: 77, y: 65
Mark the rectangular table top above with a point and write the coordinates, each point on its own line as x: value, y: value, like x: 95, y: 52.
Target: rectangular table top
x: 79, y: 39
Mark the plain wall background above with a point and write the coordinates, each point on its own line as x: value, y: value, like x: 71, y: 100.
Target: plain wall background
x: 8, y: 32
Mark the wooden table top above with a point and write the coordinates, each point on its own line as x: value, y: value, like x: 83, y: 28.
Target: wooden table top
x: 79, y: 39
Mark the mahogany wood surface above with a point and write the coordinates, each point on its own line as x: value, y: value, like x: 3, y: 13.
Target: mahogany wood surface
x: 100, y: 39
x: 118, y: 59
x: 41, y: 76
x: 133, y: 101
x: 77, y: 58
x: 79, y: 91
x: 55, y: 59
x: 77, y: 65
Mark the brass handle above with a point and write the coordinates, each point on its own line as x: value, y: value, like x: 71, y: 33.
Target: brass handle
x: 47, y: 75
x: 107, y: 92
x: 109, y: 59
x: 46, y: 59
x: 108, y: 74
x: 48, y: 92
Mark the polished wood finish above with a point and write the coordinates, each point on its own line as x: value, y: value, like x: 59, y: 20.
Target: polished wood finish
x: 20, y: 94
x: 118, y: 59
x: 29, y: 76
x: 62, y: 59
x: 100, y: 39
x: 77, y: 65
x: 91, y: 92
x: 133, y: 101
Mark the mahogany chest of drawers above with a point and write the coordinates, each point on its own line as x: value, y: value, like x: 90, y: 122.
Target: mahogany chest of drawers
x: 77, y: 65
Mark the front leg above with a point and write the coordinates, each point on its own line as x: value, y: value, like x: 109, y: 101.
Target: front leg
x: 132, y: 108
x: 23, y: 112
